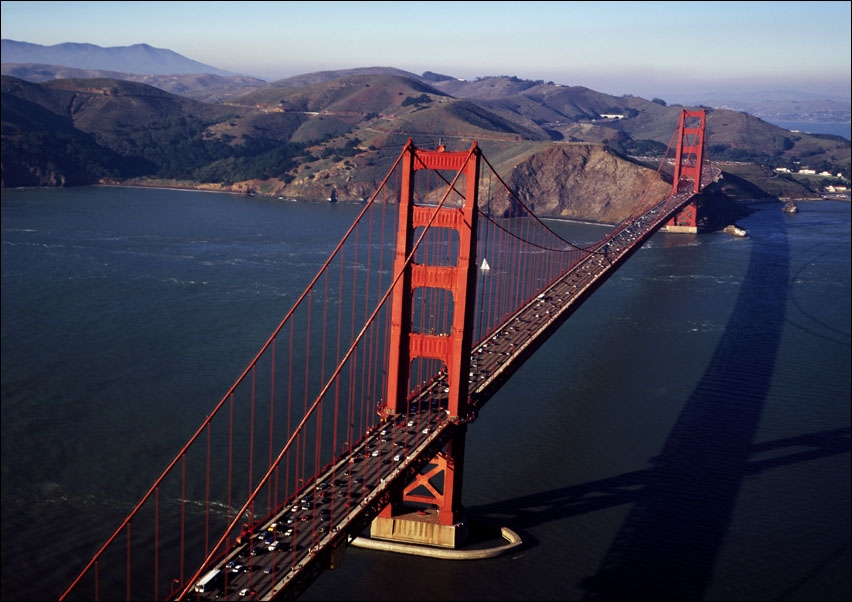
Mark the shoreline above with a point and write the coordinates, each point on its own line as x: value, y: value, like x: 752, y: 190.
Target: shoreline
x: 166, y: 187
x: 191, y: 188
x: 289, y: 199
x: 188, y: 188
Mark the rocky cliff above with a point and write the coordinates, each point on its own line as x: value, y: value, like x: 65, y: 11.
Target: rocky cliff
x: 584, y: 182
x: 559, y: 180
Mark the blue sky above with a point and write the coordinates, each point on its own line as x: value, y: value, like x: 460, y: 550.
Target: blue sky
x: 678, y: 51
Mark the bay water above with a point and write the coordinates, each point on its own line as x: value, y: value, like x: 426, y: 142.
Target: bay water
x: 684, y: 435
x: 842, y: 128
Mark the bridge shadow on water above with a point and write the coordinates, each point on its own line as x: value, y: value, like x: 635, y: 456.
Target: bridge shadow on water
x: 682, y: 507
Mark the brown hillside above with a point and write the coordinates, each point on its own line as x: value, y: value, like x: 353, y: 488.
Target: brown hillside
x: 349, y: 128
x: 584, y: 181
x: 566, y: 181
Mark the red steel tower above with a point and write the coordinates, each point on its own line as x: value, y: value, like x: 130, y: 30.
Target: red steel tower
x: 687, y: 167
x: 440, y: 484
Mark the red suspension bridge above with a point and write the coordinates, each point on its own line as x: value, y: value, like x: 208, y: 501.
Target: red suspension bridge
x: 353, y: 414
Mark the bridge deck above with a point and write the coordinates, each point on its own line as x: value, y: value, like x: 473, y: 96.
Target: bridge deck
x: 315, y: 526
x: 308, y: 533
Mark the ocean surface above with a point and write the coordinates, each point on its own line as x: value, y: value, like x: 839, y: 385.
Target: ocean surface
x: 817, y: 127
x: 685, y: 435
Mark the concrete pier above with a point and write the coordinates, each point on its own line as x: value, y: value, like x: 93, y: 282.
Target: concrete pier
x: 680, y: 229
x: 419, y: 527
x: 499, y: 541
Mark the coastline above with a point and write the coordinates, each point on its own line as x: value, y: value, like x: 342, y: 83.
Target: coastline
x: 169, y: 186
x: 166, y: 187
x: 190, y: 188
x: 215, y: 188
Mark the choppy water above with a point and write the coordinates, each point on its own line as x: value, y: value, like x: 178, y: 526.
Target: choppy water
x: 685, y: 435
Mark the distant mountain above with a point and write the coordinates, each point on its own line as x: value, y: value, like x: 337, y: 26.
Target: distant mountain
x: 81, y: 114
x: 135, y: 59
x: 319, y: 77
x: 175, y: 73
x: 789, y: 107
x: 206, y: 87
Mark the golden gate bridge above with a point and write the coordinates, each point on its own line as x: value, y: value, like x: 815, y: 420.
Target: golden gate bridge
x: 353, y: 414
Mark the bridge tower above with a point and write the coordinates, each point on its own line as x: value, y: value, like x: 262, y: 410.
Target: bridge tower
x: 440, y: 485
x: 687, y: 169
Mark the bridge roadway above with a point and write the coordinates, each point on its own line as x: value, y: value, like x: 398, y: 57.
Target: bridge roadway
x: 313, y: 527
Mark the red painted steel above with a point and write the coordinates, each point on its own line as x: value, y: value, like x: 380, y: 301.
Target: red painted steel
x: 689, y: 162
x: 366, y: 336
x: 451, y: 348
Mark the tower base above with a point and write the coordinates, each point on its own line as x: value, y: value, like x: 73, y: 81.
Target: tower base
x: 420, y: 527
x: 680, y: 229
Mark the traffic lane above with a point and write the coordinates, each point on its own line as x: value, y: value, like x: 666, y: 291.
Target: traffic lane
x: 379, y: 452
x: 321, y: 509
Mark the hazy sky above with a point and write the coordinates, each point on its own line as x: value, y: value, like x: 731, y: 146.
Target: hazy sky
x: 678, y: 51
